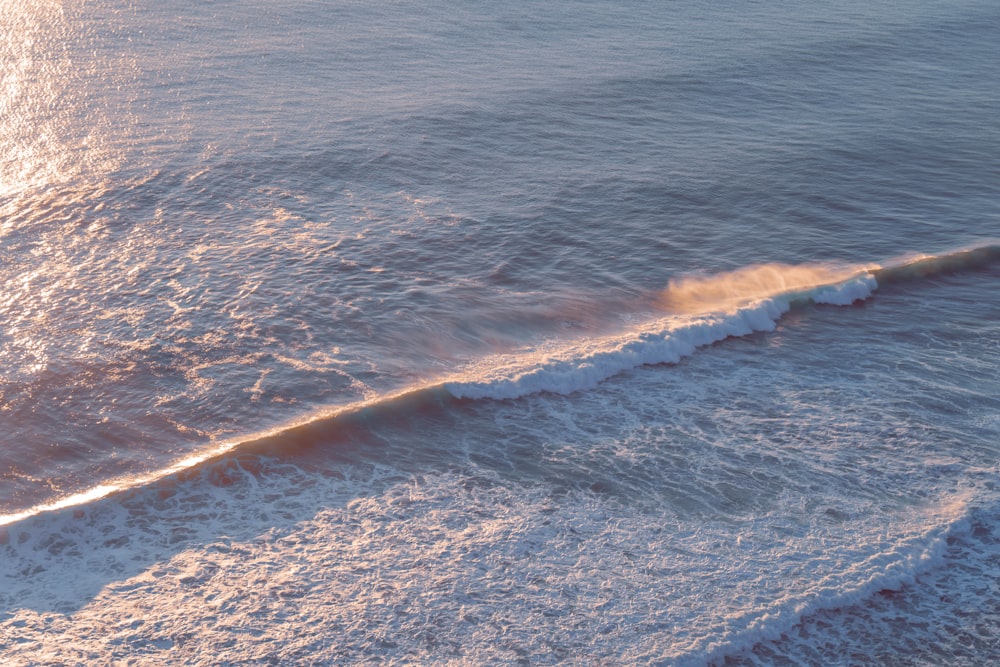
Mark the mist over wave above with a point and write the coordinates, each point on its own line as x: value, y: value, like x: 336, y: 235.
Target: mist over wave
x: 731, y: 290
x: 704, y: 310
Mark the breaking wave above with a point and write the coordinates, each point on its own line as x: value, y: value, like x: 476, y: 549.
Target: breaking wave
x: 694, y: 312
x: 707, y: 310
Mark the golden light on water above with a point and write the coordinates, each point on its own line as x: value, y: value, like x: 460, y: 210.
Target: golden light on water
x: 56, y: 156
x: 725, y: 292
x: 33, y: 72
x: 52, y: 116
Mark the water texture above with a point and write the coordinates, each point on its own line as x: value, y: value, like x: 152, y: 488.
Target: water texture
x: 438, y: 333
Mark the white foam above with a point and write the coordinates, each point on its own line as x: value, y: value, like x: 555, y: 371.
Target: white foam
x: 897, y: 564
x: 943, y: 614
x: 290, y: 567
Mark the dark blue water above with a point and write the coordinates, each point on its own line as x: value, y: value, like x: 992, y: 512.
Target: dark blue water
x: 654, y: 334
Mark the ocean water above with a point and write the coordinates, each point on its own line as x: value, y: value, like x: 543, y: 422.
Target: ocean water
x: 576, y: 332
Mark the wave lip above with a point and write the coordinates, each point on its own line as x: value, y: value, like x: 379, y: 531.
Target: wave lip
x: 732, y: 290
x: 706, y: 311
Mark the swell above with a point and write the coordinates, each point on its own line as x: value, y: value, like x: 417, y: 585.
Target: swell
x: 692, y: 313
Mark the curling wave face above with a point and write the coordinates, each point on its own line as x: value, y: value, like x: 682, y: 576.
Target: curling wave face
x: 701, y: 310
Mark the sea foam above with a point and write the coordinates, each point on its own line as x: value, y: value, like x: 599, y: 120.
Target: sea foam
x: 430, y: 569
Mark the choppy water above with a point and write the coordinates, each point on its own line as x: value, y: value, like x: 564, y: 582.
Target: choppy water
x: 582, y: 332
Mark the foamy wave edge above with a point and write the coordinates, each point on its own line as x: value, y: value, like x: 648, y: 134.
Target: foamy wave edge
x: 893, y: 569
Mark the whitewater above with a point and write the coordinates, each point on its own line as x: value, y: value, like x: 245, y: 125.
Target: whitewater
x: 585, y: 333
